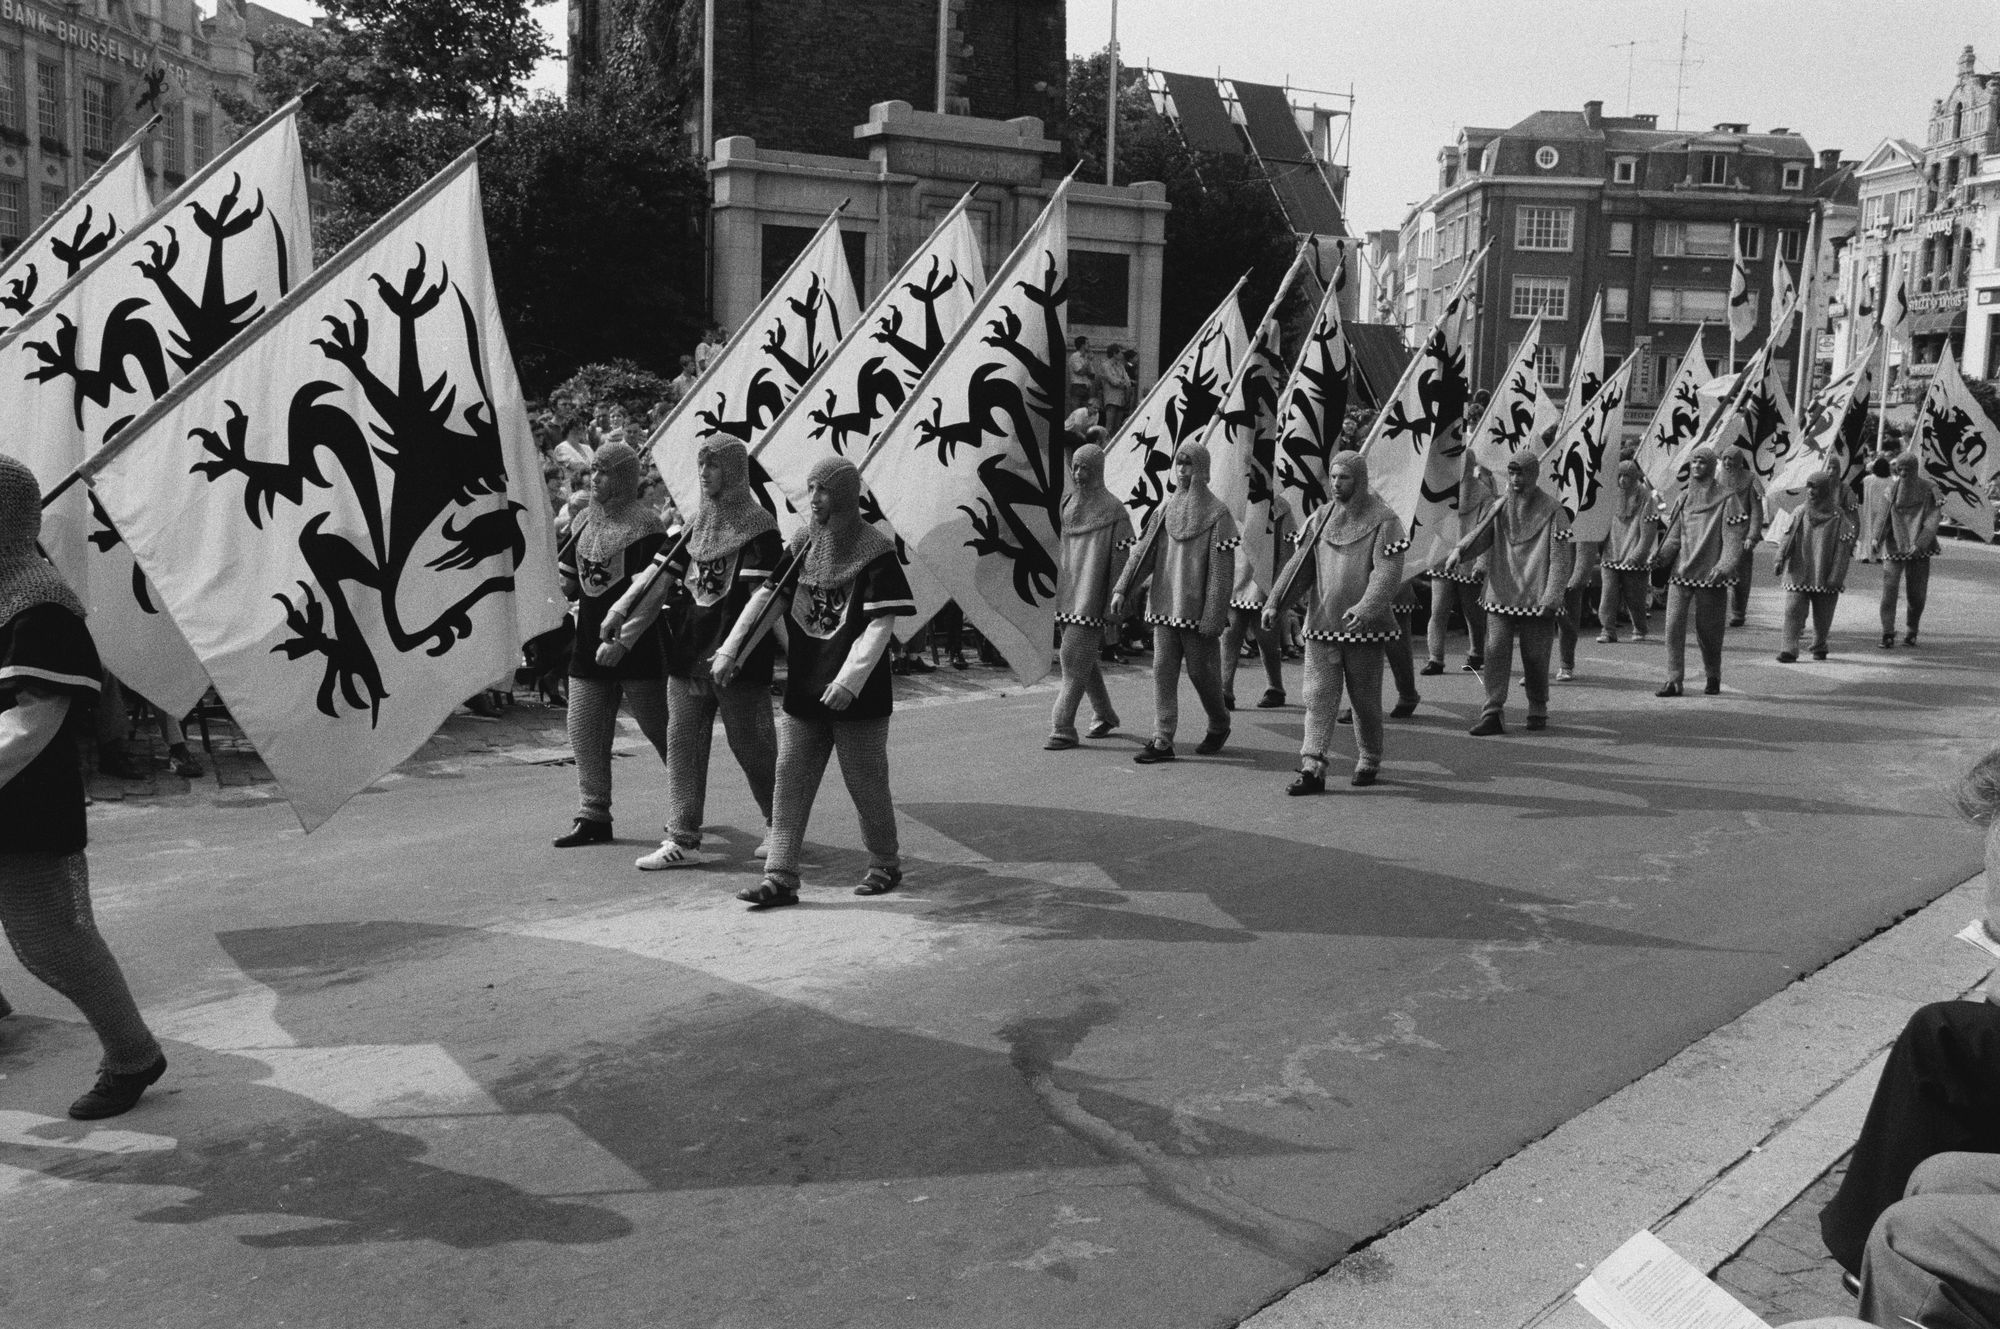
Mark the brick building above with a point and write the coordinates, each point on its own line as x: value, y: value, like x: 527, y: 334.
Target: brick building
x: 1579, y: 204
x: 77, y: 77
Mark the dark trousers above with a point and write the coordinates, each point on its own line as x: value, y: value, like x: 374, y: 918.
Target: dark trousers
x: 1537, y: 635
x: 1940, y: 1092
x: 1897, y: 573
x: 1709, y: 606
x: 1739, y: 594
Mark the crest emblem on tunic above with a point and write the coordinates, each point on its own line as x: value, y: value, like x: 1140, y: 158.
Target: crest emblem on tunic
x: 594, y: 576
x: 823, y: 607
x: 708, y: 579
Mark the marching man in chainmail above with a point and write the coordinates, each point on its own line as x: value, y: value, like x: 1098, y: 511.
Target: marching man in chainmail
x: 850, y: 590
x: 1529, y: 559
x: 1096, y: 540
x: 731, y: 549
x: 613, y: 540
x: 1348, y: 565
x: 1812, y: 564
x: 1627, y: 563
x: 49, y: 670
x: 1905, y: 538
x: 1709, y: 534
x: 1188, y: 555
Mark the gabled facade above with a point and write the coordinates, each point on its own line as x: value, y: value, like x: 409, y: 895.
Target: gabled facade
x: 1888, y: 185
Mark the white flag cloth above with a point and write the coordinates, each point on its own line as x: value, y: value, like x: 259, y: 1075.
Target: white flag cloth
x: 1758, y: 419
x: 1959, y: 447
x: 111, y: 202
x: 158, y: 301
x: 1586, y: 376
x: 1416, y: 448
x: 345, y: 510
x: 1312, y: 409
x: 970, y: 470
x: 1742, y: 295
x: 1584, y: 459
x: 1509, y: 421
x: 1138, y: 461
x: 1896, y: 301
x: 856, y: 390
x: 1835, y: 419
x: 790, y: 334
x: 1784, y: 300
x: 1676, y: 424
x: 1242, y: 451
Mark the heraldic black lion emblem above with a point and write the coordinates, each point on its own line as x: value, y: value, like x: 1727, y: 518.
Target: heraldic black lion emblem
x: 421, y: 467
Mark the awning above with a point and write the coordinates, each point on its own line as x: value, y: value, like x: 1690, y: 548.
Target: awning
x: 1203, y: 119
x: 1941, y: 323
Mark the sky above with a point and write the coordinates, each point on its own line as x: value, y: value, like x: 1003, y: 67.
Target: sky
x: 1845, y: 73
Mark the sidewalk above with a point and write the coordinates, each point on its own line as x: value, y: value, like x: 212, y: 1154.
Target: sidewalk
x: 1726, y: 1152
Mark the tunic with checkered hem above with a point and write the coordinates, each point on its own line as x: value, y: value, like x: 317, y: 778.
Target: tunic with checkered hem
x: 1635, y: 539
x: 1253, y: 583
x: 1191, y: 579
x: 1908, y: 535
x: 1700, y: 544
x: 1528, y: 560
x: 1091, y: 562
x: 1362, y: 575
x: 1816, y: 550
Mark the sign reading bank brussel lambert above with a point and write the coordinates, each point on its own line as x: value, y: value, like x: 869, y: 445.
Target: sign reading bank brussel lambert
x: 89, y: 37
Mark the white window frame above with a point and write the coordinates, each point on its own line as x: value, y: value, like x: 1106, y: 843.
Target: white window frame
x: 12, y: 222
x: 1533, y: 294
x: 1750, y: 240
x: 1550, y: 363
x: 1547, y: 157
x: 1791, y: 245
x: 1670, y: 304
x: 1624, y: 170
x: 1671, y: 239
x: 1630, y: 232
x: 1535, y: 223
x: 1617, y: 304
x: 1794, y: 176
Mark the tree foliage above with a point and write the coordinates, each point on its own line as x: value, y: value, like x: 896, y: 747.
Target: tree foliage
x: 592, y: 208
x: 1225, y: 219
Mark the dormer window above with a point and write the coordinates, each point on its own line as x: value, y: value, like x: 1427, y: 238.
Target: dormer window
x: 1713, y: 168
x: 1624, y: 170
x: 1795, y: 175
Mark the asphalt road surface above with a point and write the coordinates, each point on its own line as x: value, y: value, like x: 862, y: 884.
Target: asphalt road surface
x: 1134, y: 1046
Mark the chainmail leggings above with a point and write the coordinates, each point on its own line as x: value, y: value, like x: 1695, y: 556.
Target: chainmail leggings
x: 692, y: 705
x: 1173, y: 647
x: 1250, y: 623
x: 1082, y: 673
x: 803, y: 749
x: 45, y: 909
x: 1357, y: 666
x: 593, y: 723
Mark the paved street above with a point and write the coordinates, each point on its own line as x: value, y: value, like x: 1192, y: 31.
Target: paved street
x: 1136, y: 1046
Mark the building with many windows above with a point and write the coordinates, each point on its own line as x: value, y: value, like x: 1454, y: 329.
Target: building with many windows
x: 1580, y: 205
x: 77, y: 77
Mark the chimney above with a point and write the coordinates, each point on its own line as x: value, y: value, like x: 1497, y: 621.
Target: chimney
x: 1593, y: 114
x: 1829, y: 159
x: 1779, y: 129
x: 1647, y: 121
x: 1965, y: 63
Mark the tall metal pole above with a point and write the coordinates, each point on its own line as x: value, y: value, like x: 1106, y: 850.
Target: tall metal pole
x: 943, y: 60
x: 708, y: 80
x: 1111, y: 105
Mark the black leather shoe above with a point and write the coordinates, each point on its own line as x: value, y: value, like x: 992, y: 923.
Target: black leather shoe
x: 1211, y: 742
x: 1432, y: 667
x: 585, y: 831
x: 1670, y: 690
x: 1363, y: 778
x: 1712, y: 688
x: 1272, y: 699
x: 1488, y: 725
x: 1153, y: 753
x: 1538, y: 722
x: 1404, y: 709
x: 116, y: 1092
x: 1307, y: 782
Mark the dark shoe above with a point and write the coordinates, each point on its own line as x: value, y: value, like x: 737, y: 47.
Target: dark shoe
x: 1346, y: 716
x: 1154, y: 753
x: 1488, y: 725
x: 1211, y: 742
x: 958, y: 661
x: 1058, y: 743
x: 1538, y: 722
x: 1405, y: 708
x: 1670, y: 690
x: 916, y: 664
x: 1473, y: 664
x: 1362, y: 778
x: 1307, y: 782
x: 1712, y: 688
x: 1102, y: 729
x: 1888, y: 641
x: 585, y: 831
x: 1909, y: 639
x: 1819, y: 652
x: 1432, y: 668
x: 879, y: 881
x: 1272, y: 699
x: 769, y: 893
x: 115, y: 1093
x: 1609, y: 638
x: 1788, y: 657
x: 1228, y: 701
x: 1736, y: 622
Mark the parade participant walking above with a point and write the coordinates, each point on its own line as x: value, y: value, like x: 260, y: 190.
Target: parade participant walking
x: 1096, y: 540
x: 614, y: 538
x: 1738, y: 475
x: 48, y: 665
x: 1812, y: 564
x: 1709, y: 534
x: 1627, y: 562
x: 1905, y: 537
x: 1348, y: 566
x: 1529, y: 560
x: 731, y: 550
x: 1188, y: 554
x: 1459, y: 588
x: 1246, y: 604
x: 838, y: 691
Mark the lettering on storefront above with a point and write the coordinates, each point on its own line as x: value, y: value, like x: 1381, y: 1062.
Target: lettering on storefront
x: 90, y: 38
x: 1933, y: 302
